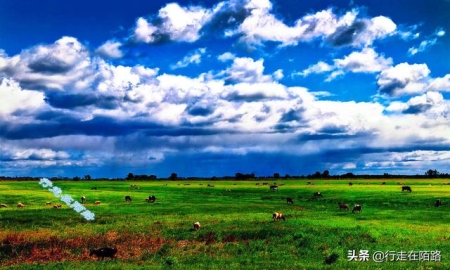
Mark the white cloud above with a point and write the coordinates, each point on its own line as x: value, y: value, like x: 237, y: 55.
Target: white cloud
x: 365, y: 61
x: 191, y: 58
x: 403, y: 79
x: 278, y: 75
x: 320, y: 67
x: 177, y: 23
x: 144, y: 31
x: 50, y: 66
x: 440, y: 84
x: 425, y: 44
x: 110, y: 49
x: 246, y: 69
x: 226, y: 57
x: 13, y: 98
x: 378, y: 28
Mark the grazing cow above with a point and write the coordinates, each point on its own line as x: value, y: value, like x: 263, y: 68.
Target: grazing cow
x: 197, y: 226
x: 350, y: 184
x: 265, y: 184
x: 103, y: 252
x: 20, y: 205
x: 97, y: 202
x: 274, y: 188
x: 438, y: 203
x: 94, y: 188
x: 209, y: 185
x: 384, y: 183
x: 3, y: 205
x: 83, y: 199
x: 317, y: 194
x: 48, y: 203
x: 57, y: 206
x: 406, y: 188
x: 151, y: 199
x: 127, y: 198
x: 343, y: 206
x: 278, y: 215
x: 289, y: 201
x: 357, y: 208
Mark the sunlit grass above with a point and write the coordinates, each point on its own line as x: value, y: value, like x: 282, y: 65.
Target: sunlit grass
x: 237, y: 230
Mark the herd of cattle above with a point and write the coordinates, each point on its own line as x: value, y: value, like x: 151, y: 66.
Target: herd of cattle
x: 111, y: 252
x: 276, y: 216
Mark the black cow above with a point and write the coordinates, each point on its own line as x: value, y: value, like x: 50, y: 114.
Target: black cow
x: 274, y: 188
x: 289, y: 201
x: 406, y: 188
x: 317, y: 194
x: 94, y: 188
x: 103, y: 252
x: 350, y: 184
x: 357, y: 208
x: 151, y: 199
x: 83, y: 199
x: 438, y: 203
x: 127, y: 198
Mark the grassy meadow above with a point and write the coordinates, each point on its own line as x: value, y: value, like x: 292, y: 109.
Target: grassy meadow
x: 237, y: 228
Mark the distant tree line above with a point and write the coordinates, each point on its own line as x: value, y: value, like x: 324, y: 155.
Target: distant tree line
x: 429, y: 174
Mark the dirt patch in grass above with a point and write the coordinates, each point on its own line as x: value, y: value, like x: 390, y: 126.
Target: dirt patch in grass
x: 18, y: 248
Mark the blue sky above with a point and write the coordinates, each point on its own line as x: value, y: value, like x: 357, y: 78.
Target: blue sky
x: 211, y: 88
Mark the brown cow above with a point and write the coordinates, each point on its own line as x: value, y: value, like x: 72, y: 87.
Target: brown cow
x: 289, y: 201
x: 278, y: 215
x: 197, y: 226
x: 343, y: 206
x: 20, y: 205
x: 127, y: 198
x: 357, y: 208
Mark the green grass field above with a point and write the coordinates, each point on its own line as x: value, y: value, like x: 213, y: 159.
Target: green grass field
x: 237, y: 229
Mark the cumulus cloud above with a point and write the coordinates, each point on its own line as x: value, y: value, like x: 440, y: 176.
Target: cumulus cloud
x: 226, y: 57
x: 365, y: 61
x: 49, y: 66
x: 173, y: 23
x: 246, y: 69
x: 191, y: 58
x: 253, y: 22
x: 403, y: 79
x: 420, y: 104
x: 110, y: 49
x: 13, y: 99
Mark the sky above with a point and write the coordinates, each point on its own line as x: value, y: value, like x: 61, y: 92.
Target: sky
x: 212, y: 88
